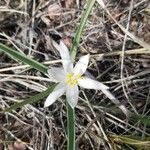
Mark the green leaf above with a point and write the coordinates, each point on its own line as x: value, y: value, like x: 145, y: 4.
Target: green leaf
x: 79, y: 31
x: 32, y: 99
x: 17, y: 55
x: 70, y: 111
x: 143, y: 119
x: 71, y: 128
x: 137, y: 142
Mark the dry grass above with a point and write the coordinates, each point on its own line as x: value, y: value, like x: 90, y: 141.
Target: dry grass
x: 117, y: 40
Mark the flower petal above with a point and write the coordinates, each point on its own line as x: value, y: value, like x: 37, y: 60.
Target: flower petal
x: 72, y: 94
x: 116, y: 101
x: 65, y: 56
x: 81, y: 65
x: 57, y: 73
x: 91, y: 84
x: 57, y: 92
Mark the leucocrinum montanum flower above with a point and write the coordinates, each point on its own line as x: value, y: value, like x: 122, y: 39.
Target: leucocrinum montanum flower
x: 70, y: 77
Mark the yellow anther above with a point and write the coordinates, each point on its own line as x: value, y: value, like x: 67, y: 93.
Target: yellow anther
x: 72, y: 79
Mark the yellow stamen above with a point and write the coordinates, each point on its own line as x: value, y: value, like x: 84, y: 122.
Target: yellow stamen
x: 72, y: 79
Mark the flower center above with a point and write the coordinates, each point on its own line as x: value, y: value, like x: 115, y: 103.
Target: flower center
x: 72, y: 79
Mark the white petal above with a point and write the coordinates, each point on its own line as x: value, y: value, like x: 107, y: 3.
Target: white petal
x: 91, y: 84
x: 116, y: 101
x: 81, y: 65
x: 110, y: 96
x: 57, y: 92
x: 72, y: 94
x: 57, y: 73
x: 65, y: 56
x: 124, y: 110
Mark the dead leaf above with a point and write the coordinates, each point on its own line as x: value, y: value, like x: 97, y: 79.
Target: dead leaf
x: 17, y: 146
x: 68, y: 3
x: 52, y: 15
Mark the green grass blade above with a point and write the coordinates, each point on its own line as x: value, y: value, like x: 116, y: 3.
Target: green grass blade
x: 31, y: 100
x: 136, y: 142
x: 143, y: 119
x: 83, y: 21
x: 17, y: 55
x: 70, y: 111
x: 71, y: 128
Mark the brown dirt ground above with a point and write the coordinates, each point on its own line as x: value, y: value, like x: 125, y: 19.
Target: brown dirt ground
x: 33, y: 127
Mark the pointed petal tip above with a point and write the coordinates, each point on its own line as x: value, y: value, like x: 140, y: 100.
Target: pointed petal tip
x: 86, y: 58
x: 55, y: 94
x: 88, y: 55
x: 46, y: 104
x: 82, y: 65
x: 55, y: 44
x: 62, y: 43
x: 65, y: 55
x: 124, y: 110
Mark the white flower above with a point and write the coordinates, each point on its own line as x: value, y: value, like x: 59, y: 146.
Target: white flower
x: 69, y: 78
